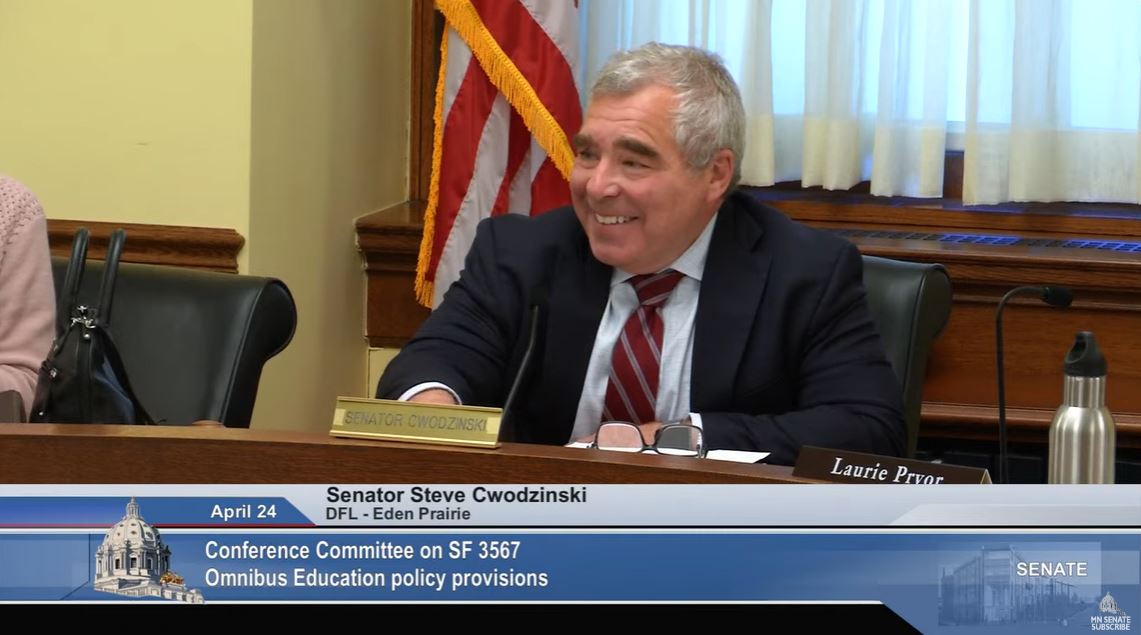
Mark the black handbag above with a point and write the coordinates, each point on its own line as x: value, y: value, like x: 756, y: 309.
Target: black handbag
x: 83, y: 379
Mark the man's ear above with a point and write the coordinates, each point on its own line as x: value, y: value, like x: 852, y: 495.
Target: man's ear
x: 720, y: 174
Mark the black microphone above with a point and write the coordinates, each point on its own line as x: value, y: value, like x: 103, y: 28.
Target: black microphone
x: 1060, y: 297
x: 507, y: 416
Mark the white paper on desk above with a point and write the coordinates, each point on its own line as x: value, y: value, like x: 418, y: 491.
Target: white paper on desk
x: 734, y: 456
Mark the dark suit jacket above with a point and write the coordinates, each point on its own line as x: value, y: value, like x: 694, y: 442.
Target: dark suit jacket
x: 785, y: 350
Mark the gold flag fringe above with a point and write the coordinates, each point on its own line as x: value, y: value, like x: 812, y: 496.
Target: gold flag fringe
x: 424, y: 286
x: 462, y: 16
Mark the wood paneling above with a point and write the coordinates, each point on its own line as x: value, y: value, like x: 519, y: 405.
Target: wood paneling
x: 1039, y: 220
x: 196, y: 247
x: 960, y: 397
x: 426, y: 29
x: 1024, y: 425
x: 389, y: 241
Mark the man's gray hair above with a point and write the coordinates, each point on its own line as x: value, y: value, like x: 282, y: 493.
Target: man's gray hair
x: 709, y: 115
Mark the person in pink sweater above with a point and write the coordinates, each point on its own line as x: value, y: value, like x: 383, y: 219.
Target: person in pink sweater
x: 27, y: 295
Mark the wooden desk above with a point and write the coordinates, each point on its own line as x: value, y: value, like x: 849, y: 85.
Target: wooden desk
x: 48, y: 453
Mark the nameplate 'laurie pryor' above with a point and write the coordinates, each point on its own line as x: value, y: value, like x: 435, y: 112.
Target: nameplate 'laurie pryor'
x: 840, y: 466
x: 414, y: 422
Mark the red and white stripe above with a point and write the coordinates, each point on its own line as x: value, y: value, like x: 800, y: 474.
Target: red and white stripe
x: 489, y: 162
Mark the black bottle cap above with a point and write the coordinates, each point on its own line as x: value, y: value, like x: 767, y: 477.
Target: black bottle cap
x: 1085, y: 358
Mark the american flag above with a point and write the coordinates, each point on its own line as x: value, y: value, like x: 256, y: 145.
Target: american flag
x: 506, y: 105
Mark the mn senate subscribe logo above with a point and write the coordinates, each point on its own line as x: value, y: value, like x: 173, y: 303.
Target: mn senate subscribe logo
x: 133, y: 561
x: 1109, y: 617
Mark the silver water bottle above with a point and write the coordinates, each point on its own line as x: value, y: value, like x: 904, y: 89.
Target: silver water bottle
x: 1082, y: 435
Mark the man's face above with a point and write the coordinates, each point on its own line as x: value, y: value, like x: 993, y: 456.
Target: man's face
x: 639, y: 202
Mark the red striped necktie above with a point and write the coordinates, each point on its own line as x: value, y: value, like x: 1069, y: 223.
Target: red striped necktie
x: 632, y: 394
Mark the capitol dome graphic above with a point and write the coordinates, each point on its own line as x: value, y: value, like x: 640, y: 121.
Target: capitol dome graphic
x: 133, y: 561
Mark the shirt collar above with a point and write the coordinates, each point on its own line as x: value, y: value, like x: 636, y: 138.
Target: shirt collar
x: 691, y: 263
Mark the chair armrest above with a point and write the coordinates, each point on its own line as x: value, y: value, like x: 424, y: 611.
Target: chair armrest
x: 12, y: 407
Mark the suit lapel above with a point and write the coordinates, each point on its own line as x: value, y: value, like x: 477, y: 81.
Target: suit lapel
x: 731, y: 289
x: 579, y: 293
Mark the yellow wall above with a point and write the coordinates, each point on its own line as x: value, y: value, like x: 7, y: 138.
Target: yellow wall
x: 281, y: 119
x: 129, y: 110
x: 378, y: 359
x: 330, y: 143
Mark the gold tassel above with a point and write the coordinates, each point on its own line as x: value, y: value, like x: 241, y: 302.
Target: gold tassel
x: 425, y: 287
x: 464, y: 18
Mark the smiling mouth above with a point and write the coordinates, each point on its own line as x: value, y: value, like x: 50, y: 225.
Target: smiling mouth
x: 612, y: 220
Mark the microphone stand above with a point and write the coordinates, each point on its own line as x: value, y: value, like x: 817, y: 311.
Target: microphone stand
x: 1052, y: 295
x: 507, y: 415
x: 1002, y: 385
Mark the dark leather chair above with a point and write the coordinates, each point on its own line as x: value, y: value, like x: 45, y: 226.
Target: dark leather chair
x: 193, y: 342
x: 910, y: 303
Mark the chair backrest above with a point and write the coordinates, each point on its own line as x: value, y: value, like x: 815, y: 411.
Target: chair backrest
x: 193, y: 342
x: 910, y: 303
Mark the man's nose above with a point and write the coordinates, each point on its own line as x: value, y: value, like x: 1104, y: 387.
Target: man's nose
x: 602, y: 183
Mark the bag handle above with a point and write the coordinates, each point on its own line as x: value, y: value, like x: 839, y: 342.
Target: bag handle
x: 71, y: 279
x: 110, y: 269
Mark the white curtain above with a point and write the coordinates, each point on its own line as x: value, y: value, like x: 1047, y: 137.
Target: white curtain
x: 738, y: 30
x: 1042, y: 97
x: 1052, y: 101
x: 811, y: 74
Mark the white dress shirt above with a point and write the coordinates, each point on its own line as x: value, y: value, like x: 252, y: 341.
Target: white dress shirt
x: 678, y: 315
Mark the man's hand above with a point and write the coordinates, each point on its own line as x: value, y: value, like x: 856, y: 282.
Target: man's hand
x: 434, y: 396
x: 650, y: 431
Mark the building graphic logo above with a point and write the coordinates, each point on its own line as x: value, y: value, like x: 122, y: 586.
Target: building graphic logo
x: 133, y: 561
x: 1109, y: 617
x: 989, y: 588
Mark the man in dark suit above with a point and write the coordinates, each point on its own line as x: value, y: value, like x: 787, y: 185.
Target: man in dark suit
x: 759, y: 332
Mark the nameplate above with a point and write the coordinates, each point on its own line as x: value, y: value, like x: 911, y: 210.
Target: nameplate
x: 415, y: 422
x: 839, y: 466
